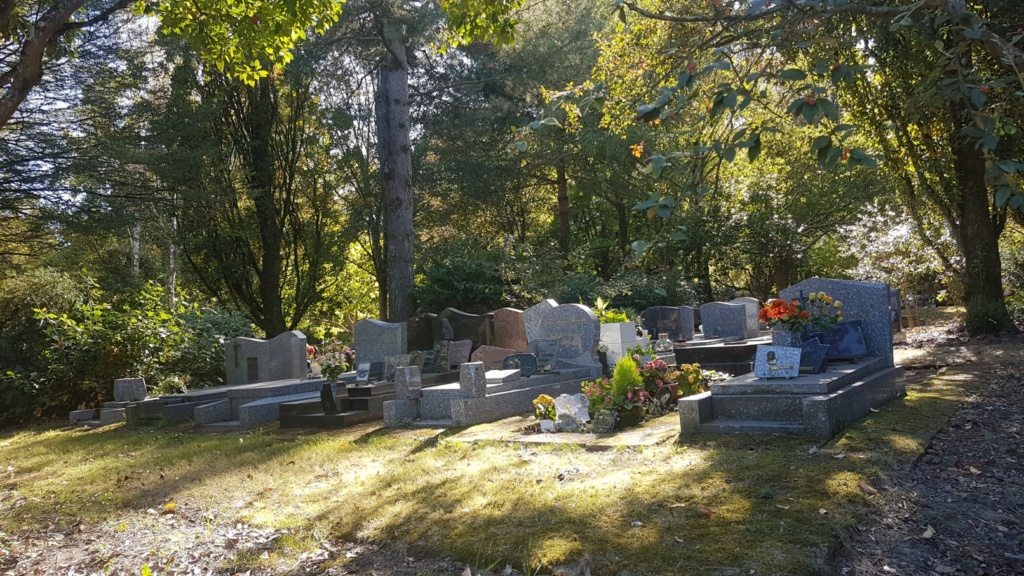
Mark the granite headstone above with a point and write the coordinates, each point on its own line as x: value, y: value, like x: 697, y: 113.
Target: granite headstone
x: 865, y: 301
x: 246, y: 361
x: 288, y: 356
x: 664, y: 320
x: 574, y: 326
x: 420, y: 330
x: 724, y: 320
x: 492, y: 356
x: 753, y: 306
x: 479, y: 328
x: 376, y: 340
x: 458, y: 353
x: 509, y: 329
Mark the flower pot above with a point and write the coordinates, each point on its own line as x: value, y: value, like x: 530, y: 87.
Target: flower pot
x: 547, y: 425
x: 629, y: 418
x: 783, y: 337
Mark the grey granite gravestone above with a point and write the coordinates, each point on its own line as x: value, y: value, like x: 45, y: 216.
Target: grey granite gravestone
x: 439, y: 357
x: 574, y: 326
x: 492, y: 356
x: 479, y: 328
x: 723, y: 320
x: 420, y: 332
x: 525, y: 362
x: 865, y: 301
x: 509, y: 329
x: 375, y: 340
x: 776, y: 362
x: 545, y: 350
x: 753, y: 307
x: 473, y: 380
x: 129, y: 389
x: 664, y: 320
x: 288, y: 356
x: 246, y: 361
x: 458, y: 353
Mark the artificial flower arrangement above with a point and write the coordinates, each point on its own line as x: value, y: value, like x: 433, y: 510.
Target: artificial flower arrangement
x: 623, y: 392
x: 544, y: 407
x: 334, y: 359
x: 817, y: 311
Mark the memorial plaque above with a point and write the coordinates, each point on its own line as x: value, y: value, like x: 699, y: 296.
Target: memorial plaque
x: 525, y: 362
x: 813, y: 356
x: 846, y: 341
x: 546, y: 351
x: 363, y: 372
x: 776, y: 362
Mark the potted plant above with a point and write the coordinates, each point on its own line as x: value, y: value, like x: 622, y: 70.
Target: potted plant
x: 544, y: 410
x: 623, y: 394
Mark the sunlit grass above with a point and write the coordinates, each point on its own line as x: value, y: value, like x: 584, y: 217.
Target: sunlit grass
x: 708, y: 505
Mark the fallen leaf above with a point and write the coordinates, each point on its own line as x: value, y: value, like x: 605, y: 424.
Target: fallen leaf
x: 678, y: 540
x: 929, y: 532
x: 781, y: 506
x: 867, y: 488
x: 974, y: 470
x: 840, y: 455
x: 822, y: 511
x: 874, y: 409
x: 636, y: 524
x: 707, y: 512
x: 888, y: 569
x: 267, y: 488
x: 813, y: 450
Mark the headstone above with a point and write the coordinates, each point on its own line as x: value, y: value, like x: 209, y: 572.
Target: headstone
x: 288, y: 356
x: 776, y: 362
x: 408, y: 383
x: 509, y: 329
x: 246, y: 361
x: 846, y: 341
x: 666, y: 320
x: 864, y: 301
x: 687, y: 321
x: 574, y: 326
x: 813, y: 356
x: 479, y: 328
x: 753, y: 306
x: 492, y: 356
x: 724, y: 320
x: 376, y: 340
x: 391, y: 363
x: 473, y: 380
x: 458, y: 353
x: 447, y: 332
x: 420, y: 332
x: 545, y: 350
x: 129, y: 389
x: 526, y: 363
x: 439, y: 356
x: 418, y: 359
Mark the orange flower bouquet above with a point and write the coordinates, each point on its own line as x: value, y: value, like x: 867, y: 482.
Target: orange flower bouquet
x: 817, y: 311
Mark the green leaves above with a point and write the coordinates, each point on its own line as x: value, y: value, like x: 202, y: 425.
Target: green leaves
x: 793, y: 74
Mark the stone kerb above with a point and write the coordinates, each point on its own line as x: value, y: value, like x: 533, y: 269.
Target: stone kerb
x: 865, y: 301
x: 408, y: 384
x: 723, y: 320
x: 473, y: 380
x: 374, y: 340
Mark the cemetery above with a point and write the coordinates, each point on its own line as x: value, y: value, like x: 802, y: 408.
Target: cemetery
x: 469, y: 288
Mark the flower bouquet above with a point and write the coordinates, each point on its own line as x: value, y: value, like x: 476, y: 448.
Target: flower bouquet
x: 815, y: 312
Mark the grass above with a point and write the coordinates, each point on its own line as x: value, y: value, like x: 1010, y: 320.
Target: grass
x: 727, y: 505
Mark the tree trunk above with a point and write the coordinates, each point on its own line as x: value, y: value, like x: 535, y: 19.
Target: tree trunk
x: 977, y: 236
x: 562, y: 183
x: 395, y: 155
x: 261, y: 188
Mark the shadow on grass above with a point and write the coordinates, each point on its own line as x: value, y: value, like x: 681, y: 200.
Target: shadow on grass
x: 707, y: 506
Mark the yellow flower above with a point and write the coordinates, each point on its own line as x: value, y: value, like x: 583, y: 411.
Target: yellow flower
x: 822, y: 295
x: 812, y: 296
x: 837, y: 304
x: 637, y: 150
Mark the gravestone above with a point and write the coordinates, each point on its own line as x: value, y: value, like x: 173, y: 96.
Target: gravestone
x: 687, y: 321
x: 288, y: 356
x: 776, y: 362
x: 545, y: 350
x: 753, y: 306
x: 246, y: 361
x: 724, y: 320
x: 374, y: 340
x: 129, y: 389
x: 509, y: 329
x: 458, y: 353
x: 666, y: 320
x: 492, y: 356
x: 420, y: 332
x: 864, y: 301
x: 408, y: 383
x: 574, y: 326
x: 479, y: 328
x: 438, y: 361
x: 391, y: 363
x: 525, y: 362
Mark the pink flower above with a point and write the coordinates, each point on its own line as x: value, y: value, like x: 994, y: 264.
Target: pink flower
x: 630, y: 395
x: 660, y: 383
x: 607, y: 400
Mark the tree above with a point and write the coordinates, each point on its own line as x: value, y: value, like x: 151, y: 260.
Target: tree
x: 799, y: 46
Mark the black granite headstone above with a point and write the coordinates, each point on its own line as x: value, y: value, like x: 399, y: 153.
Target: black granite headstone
x: 476, y: 327
x: 526, y: 363
x: 420, y: 332
x: 846, y: 341
x: 662, y: 320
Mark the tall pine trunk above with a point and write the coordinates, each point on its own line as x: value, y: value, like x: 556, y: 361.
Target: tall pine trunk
x: 395, y: 155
